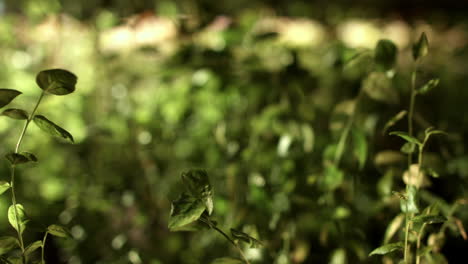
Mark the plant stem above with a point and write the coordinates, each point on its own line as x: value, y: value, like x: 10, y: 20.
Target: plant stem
x: 31, y: 116
x: 233, y: 243
x: 43, y: 246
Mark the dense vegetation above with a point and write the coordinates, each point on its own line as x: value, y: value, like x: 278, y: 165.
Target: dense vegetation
x: 319, y: 140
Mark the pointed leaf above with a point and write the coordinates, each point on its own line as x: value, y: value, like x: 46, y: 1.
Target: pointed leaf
x: 385, y: 54
x: 408, y: 148
x: 56, y: 81
x: 227, y: 261
x: 48, y: 126
x: 20, y: 158
x: 421, y: 48
x: 7, y: 95
x: 393, y: 227
x: 4, y: 186
x: 406, y: 137
x: 410, y: 203
x: 7, y: 243
x: 16, y: 113
x: 198, y: 185
x: 429, y: 219
x: 184, y: 211
x: 32, y: 247
x: 385, y: 249
x: 236, y: 234
x: 428, y: 86
x: 394, y: 120
x: 58, y: 231
x: 17, y: 220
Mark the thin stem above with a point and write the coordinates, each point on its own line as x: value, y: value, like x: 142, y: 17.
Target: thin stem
x: 233, y: 243
x: 418, y: 243
x: 31, y: 116
x: 43, y: 246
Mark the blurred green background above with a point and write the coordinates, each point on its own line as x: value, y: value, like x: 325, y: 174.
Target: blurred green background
x: 255, y: 92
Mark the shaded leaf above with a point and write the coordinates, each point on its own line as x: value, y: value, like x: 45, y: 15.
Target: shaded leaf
x: 48, y: 126
x: 227, y: 261
x: 7, y: 243
x: 408, y: 148
x: 406, y: 137
x: 16, y: 113
x: 58, y: 231
x: 393, y: 227
x: 56, y: 81
x: 394, y: 120
x: 429, y: 219
x: 385, y: 249
x: 32, y: 247
x: 4, y: 186
x: 17, y: 220
x: 198, y: 185
x: 184, y: 211
x: 420, y: 48
x: 385, y: 54
x: 379, y: 87
x: 20, y: 158
x: 239, y: 235
x: 360, y: 146
x: 7, y: 95
x: 428, y: 86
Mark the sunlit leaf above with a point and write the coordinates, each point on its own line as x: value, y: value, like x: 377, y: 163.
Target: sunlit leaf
x: 429, y: 219
x: 239, y: 235
x: 410, y: 204
x: 406, y: 137
x: 51, y: 128
x: 56, y: 81
x: 7, y: 243
x: 7, y: 95
x: 393, y: 227
x: 16, y: 113
x: 385, y: 54
x: 184, y: 211
x: 385, y: 249
x: 20, y: 158
x: 379, y: 87
x: 420, y: 48
x: 58, y: 231
x: 428, y: 86
x: 198, y: 185
x: 32, y: 247
x: 394, y: 120
x: 227, y: 260
x: 17, y: 218
x: 4, y: 186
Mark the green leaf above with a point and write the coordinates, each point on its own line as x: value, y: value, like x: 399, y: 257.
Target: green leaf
x: 393, y: 227
x: 7, y: 95
x: 20, y: 158
x: 394, y: 120
x: 385, y: 249
x: 32, y: 247
x: 198, y: 185
x: 184, y: 211
x: 421, y: 48
x: 48, y: 126
x: 56, y: 81
x: 429, y: 219
x: 406, y: 137
x: 227, y: 261
x: 58, y: 231
x: 385, y: 54
x: 16, y: 113
x: 408, y: 148
x: 239, y: 235
x: 4, y: 186
x: 360, y: 146
x: 19, y: 219
x: 428, y: 86
x: 379, y: 87
x: 410, y: 203
x: 8, y: 243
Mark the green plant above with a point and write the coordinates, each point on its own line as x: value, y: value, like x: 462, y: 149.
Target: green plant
x: 192, y: 211
x: 55, y: 82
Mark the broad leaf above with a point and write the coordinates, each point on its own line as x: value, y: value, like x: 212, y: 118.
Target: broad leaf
x: 227, y: 261
x: 429, y: 219
x: 239, y: 235
x: 16, y: 113
x: 394, y: 120
x: 7, y: 95
x: 198, y: 185
x: 56, y: 81
x: 406, y: 137
x: 58, y: 231
x: 32, y: 247
x: 184, y: 211
x: 379, y: 87
x: 385, y: 249
x: 385, y: 54
x: 428, y: 86
x: 17, y: 220
x: 7, y: 243
x: 20, y: 158
x: 410, y: 203
x: 4, y: 186
x: 421, y: 48
x: 48, y: 126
